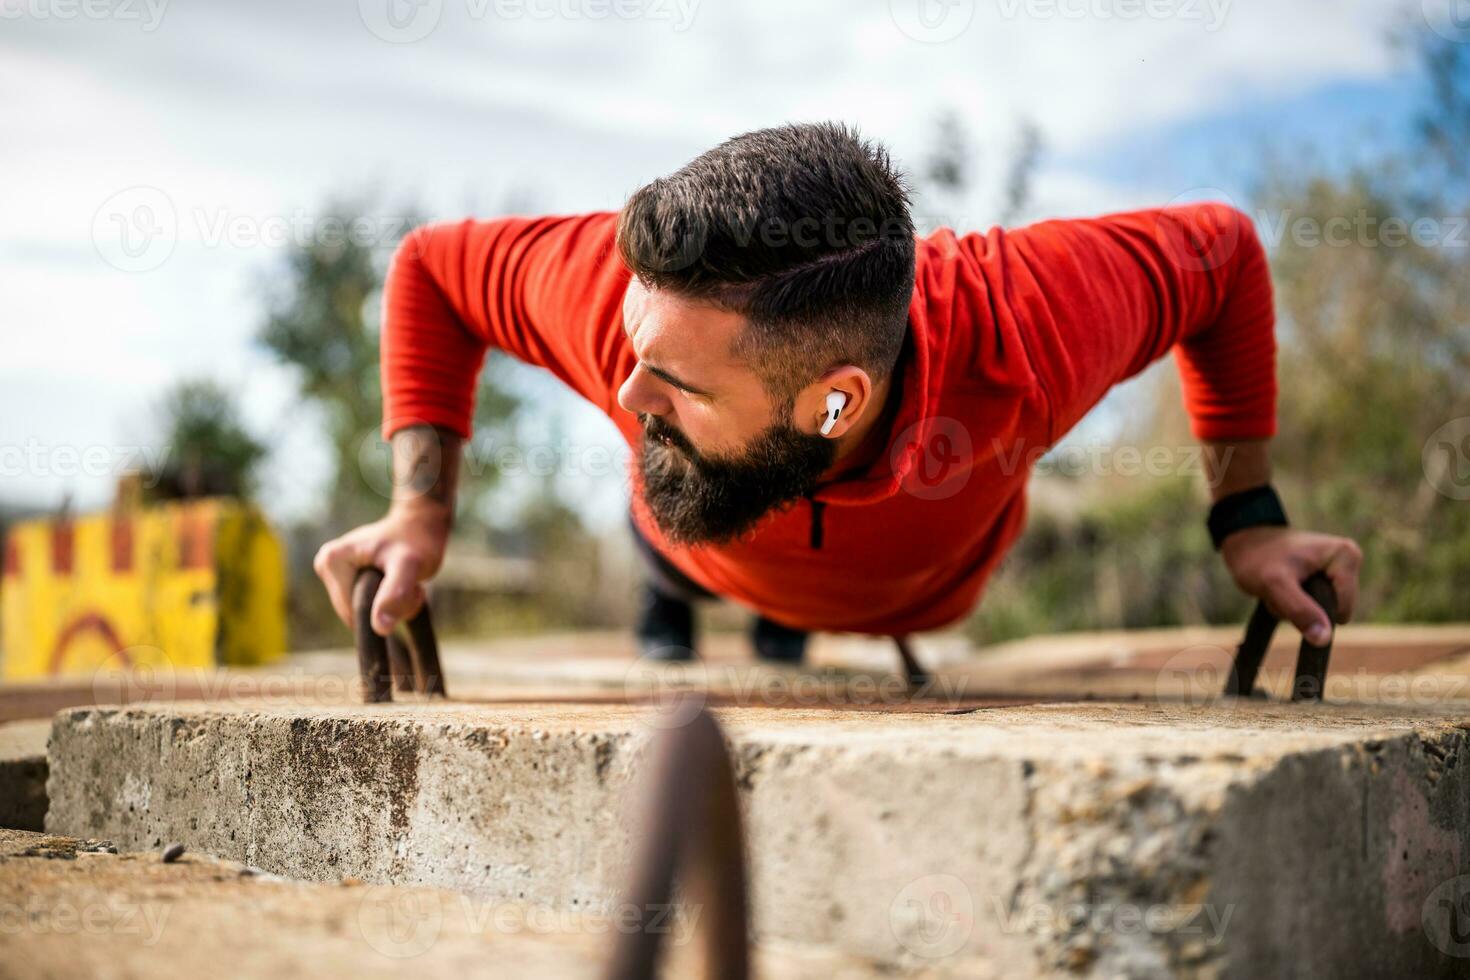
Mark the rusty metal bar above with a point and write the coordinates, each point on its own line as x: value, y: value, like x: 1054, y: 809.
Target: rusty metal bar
x: 400, y: 662
x: 690, y: 829
x: 372, y: 649
x: 428, y: 676
x: 386, y: 663
x: 1310, y: 681
x: 913, y: 671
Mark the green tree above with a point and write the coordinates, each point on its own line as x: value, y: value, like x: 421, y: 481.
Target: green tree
x: 949, y: 166
x: 210, y: 452
x: 323, y: 321
x: 948, y: 177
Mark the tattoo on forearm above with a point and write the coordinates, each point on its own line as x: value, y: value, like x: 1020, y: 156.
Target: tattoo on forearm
x: 426, y: 464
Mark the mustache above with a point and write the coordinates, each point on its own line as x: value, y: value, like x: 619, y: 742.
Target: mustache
x: 657, y: 429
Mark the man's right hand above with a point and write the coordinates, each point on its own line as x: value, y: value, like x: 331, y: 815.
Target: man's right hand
x: 408, y: 544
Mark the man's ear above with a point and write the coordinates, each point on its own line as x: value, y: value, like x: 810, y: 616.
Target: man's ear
x: 811, y: 401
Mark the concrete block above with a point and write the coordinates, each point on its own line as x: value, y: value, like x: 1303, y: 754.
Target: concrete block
x: 1106, y: 839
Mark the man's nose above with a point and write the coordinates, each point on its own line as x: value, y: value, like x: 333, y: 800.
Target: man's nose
x: 642, y: 394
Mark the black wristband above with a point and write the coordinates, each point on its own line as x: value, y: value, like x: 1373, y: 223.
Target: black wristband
x: 1256, y: 507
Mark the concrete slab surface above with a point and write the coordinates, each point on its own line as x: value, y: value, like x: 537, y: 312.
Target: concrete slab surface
x: 1388, y: 664
x: 968, y: 837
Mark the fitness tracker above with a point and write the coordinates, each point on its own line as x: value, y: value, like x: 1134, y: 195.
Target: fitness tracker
x: 1256, y: 507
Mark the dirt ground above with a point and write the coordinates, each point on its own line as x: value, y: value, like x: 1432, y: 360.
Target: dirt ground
x: 72, y: 909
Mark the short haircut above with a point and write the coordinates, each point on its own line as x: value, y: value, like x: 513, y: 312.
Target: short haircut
x: 802, y: 229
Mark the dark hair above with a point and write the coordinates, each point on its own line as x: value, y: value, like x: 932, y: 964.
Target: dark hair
x: 802, y: 229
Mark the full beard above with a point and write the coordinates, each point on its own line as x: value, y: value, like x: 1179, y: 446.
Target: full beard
x: 701, y: 499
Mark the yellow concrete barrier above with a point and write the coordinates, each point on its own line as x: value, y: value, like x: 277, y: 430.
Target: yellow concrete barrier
x: 187, y: 584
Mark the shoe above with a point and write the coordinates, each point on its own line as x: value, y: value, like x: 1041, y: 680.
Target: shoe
x: 665, y: 627
x: 777, y: 644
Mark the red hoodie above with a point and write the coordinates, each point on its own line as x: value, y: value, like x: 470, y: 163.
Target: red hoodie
x: 1013, y: 336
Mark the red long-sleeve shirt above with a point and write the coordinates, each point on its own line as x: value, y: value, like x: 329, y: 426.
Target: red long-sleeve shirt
x: 1013, y: 336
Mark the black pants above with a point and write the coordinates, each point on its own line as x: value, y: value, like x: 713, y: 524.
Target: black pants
x: 667, y: 613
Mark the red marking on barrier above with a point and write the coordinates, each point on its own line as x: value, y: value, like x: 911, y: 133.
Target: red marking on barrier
x: 93, y: 622
x: 122, y: 544
x: 196, y: 542
x: 12, y: 556
x: 63, y: 547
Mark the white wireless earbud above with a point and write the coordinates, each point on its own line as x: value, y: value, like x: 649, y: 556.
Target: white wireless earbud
x: 835, y: 402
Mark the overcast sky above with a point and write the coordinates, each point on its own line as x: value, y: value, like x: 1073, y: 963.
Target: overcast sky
x: 158, y: 156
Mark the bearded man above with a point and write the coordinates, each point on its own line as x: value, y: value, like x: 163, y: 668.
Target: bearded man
x: 832, y: 420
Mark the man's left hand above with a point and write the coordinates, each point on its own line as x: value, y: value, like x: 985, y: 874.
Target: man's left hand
x: 1271, y: 563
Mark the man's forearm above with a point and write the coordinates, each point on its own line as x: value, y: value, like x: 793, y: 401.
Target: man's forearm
x: 426, y: 470
x: 1231, y: 467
